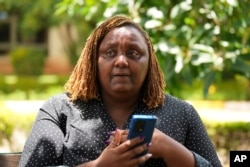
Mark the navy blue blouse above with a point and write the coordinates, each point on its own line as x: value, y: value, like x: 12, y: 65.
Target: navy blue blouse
x: 71, y: 133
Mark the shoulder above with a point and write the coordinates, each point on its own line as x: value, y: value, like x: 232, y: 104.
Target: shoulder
x: 177, y: 106
x: 172, y: 101
x: 59, y: 97
x: 57, y: 102
x: 61, y: 103
x: 179, y: 113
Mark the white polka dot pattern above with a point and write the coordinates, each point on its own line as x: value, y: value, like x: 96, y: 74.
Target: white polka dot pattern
x: 67, y: 133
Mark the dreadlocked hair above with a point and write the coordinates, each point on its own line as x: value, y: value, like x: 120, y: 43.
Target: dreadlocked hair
x: 83, y: 82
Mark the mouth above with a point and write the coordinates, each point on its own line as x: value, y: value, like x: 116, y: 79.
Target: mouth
x: 121, y: 75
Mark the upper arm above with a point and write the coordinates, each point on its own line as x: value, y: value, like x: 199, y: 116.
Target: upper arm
x: 198, y: 140
x: 44, y: 144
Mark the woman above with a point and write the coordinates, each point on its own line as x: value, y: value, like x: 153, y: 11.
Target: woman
x: 116, y: 76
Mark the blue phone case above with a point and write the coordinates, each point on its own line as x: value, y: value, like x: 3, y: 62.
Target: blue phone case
x: 142, y: 125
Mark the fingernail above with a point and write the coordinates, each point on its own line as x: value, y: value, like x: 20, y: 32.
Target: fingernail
x: 141, y: 137
x: 107, y: 141
x: 111, y: 133
x: 149, y: 144
x: 148, y: 155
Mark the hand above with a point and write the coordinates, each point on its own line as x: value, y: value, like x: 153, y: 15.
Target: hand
x: 170, y: 150
x: 158, y: 139
x: 118, y: 136
x: 121, y: 152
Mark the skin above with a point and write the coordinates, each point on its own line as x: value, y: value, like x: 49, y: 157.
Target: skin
x: 123, y: 60
x: 122, y: 68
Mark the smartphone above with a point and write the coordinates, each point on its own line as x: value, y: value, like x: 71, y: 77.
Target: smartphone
x: 142, y: 125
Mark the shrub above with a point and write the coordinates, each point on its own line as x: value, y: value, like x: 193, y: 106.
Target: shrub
x: 230, y: 135
x: 28, y: 60
x: 8, y: 122
x: 30, y: 87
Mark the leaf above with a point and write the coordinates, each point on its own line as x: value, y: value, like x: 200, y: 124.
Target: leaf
x: 203, y: 48
x: 241, y: 66
x: 245, y: 56
x: 209, y: 78
x: 187, y: 75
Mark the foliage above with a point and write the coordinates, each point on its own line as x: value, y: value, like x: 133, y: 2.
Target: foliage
x: 28, y: 60
x: 221, y: 90
x: 25, y: 87
x: 207, y: 40
x: 230, y: 135
x: 194, y: 40
x: 32, y: 15
x: 8, y: 122
x: 41, y: 87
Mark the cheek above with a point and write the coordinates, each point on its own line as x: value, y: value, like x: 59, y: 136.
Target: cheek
x: 144, y: 66
x: 103, y: 70
x: 142, y: 70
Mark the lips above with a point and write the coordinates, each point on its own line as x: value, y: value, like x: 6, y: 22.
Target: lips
x: 121, y: 74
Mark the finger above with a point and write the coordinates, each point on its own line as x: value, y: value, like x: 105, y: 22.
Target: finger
x: 125, y: 132
x: 129, y: 144
x: 116, y: 139
x: 124, y: 136
x: 138, y: 151
x: 141, y: 160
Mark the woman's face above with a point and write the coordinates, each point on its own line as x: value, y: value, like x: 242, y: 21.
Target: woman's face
x: 123, y: 60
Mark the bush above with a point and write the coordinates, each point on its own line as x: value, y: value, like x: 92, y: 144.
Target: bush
x: 8, y: 122
x: 30, y: 87
x: 229, y: 136
x: 233, y: 89
x: 28, y: 60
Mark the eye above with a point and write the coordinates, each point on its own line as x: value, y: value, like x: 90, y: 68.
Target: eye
x: 133, y: 54
x: 110, y: 53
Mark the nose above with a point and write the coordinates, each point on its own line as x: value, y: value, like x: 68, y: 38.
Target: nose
x: 121, y: 61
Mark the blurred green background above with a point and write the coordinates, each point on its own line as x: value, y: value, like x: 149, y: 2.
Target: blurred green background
x: 202, y: 46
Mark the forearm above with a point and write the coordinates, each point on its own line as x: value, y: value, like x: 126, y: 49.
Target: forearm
x: 89, y: 164
x: 175, y: 154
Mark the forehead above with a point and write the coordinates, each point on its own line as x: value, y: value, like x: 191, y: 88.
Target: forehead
x: 127, y: 31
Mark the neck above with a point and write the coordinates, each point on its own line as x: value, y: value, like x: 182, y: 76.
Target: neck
x: 120, y: 108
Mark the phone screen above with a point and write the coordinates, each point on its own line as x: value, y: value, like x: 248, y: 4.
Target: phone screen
x: 142, y: 125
